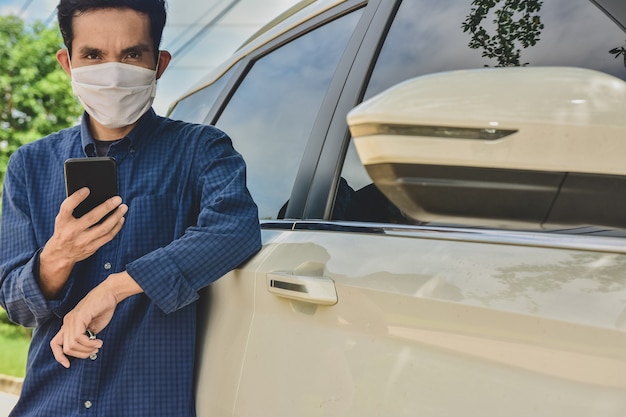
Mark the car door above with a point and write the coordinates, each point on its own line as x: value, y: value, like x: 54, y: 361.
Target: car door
x: 277, y: 96
x: 434, y: 321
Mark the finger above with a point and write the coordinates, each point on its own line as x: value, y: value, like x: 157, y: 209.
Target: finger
x: 75, y: 342
x: 113, y: 221
x: 103, y: 233
x: 80, y: 347
x: 76, y: 335
x: 96, y: 214
x: 56, y: 344
x: 86, y: 344
x: 71, y: 202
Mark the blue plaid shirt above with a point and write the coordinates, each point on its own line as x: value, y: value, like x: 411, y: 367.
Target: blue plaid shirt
x: 190, y: 221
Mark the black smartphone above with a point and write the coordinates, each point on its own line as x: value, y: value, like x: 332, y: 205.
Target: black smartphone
x: 99, y: 174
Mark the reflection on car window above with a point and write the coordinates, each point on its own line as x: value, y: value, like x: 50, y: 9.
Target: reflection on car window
x: 423, y: 40
x: 195, y: 107
x: 429, y: 36
x: 272, y: 112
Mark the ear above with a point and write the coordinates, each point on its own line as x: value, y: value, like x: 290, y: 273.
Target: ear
x: 164, y: 60
x: 64, y: 59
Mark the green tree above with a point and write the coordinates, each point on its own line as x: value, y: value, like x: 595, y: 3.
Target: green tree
x: 516, y: 24
x: 35, y: 93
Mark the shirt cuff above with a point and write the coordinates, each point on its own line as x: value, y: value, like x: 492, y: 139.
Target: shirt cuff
x: 162, y: 281
x: 39, y: 307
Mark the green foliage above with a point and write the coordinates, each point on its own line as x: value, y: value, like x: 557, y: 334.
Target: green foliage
x: 35, y: 93
x: 516, y: 23
x: 10, y: 330
x: 4, y: 317
x: 13, y: 354
x: 14, y: 342
x: 35, y: 100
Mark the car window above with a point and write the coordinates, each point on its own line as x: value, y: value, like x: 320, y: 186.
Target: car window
x: 423, y: 40
x: 194, y: 108
x: 429, y: 36
x: 270, y: 116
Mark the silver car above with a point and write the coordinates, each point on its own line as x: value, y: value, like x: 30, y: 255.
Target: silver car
x: 442, y: 196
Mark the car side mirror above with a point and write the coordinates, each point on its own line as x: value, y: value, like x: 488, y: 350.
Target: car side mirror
x: 539, y: 147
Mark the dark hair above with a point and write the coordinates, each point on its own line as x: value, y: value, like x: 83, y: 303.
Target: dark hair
x: 155, y: 9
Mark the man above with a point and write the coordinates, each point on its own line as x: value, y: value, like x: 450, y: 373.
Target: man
x: 183, y: 219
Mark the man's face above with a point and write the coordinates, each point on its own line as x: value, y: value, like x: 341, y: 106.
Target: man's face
x: 112, y: 35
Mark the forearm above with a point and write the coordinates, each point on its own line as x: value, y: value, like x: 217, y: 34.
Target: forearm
x: 54, y: 271
x: 120, y: 286
x: 171, y: 276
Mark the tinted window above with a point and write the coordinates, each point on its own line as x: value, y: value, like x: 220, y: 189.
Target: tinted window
x: 195, y: 107
x: 272, y: 112
x: 430, y: 36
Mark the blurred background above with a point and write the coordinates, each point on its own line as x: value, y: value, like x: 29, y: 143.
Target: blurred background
x: 198, y: 33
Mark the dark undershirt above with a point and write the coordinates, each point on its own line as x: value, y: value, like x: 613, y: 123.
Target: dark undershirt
x: 103, y: 146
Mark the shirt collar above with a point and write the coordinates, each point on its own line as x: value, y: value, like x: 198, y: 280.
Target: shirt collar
x: 136, y: 136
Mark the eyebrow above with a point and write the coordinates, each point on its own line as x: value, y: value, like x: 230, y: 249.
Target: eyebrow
x: 87, y: 50
x: 138, y: 47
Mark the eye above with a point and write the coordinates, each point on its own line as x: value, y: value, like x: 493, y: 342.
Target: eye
x: 92, y: 56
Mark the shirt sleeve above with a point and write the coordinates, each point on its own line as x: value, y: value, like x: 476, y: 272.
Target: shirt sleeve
x: 226, y: 234
x: 20, y: 294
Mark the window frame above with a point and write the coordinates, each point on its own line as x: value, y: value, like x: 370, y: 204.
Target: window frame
x: 323, y: 189
x: 299, y: 195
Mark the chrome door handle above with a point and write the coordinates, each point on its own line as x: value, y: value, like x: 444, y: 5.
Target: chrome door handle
x: 310, y: 289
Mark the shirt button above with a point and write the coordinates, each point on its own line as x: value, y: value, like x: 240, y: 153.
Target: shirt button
x: 88, y: 404
x: 107, y: 266
x: 93, y: 356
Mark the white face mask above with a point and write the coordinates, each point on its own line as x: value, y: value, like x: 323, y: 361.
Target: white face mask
x: 114, y: 94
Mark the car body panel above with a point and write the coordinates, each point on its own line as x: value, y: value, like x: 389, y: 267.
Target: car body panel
x: 225, y: 314
x: 443, y: 326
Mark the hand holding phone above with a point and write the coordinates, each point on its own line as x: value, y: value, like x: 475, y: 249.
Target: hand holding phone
x: 99, y: 174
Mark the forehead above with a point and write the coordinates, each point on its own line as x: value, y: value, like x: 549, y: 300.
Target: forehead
x: 111, y: 28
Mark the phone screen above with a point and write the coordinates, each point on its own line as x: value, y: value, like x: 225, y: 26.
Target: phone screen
x: 98, y: 174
